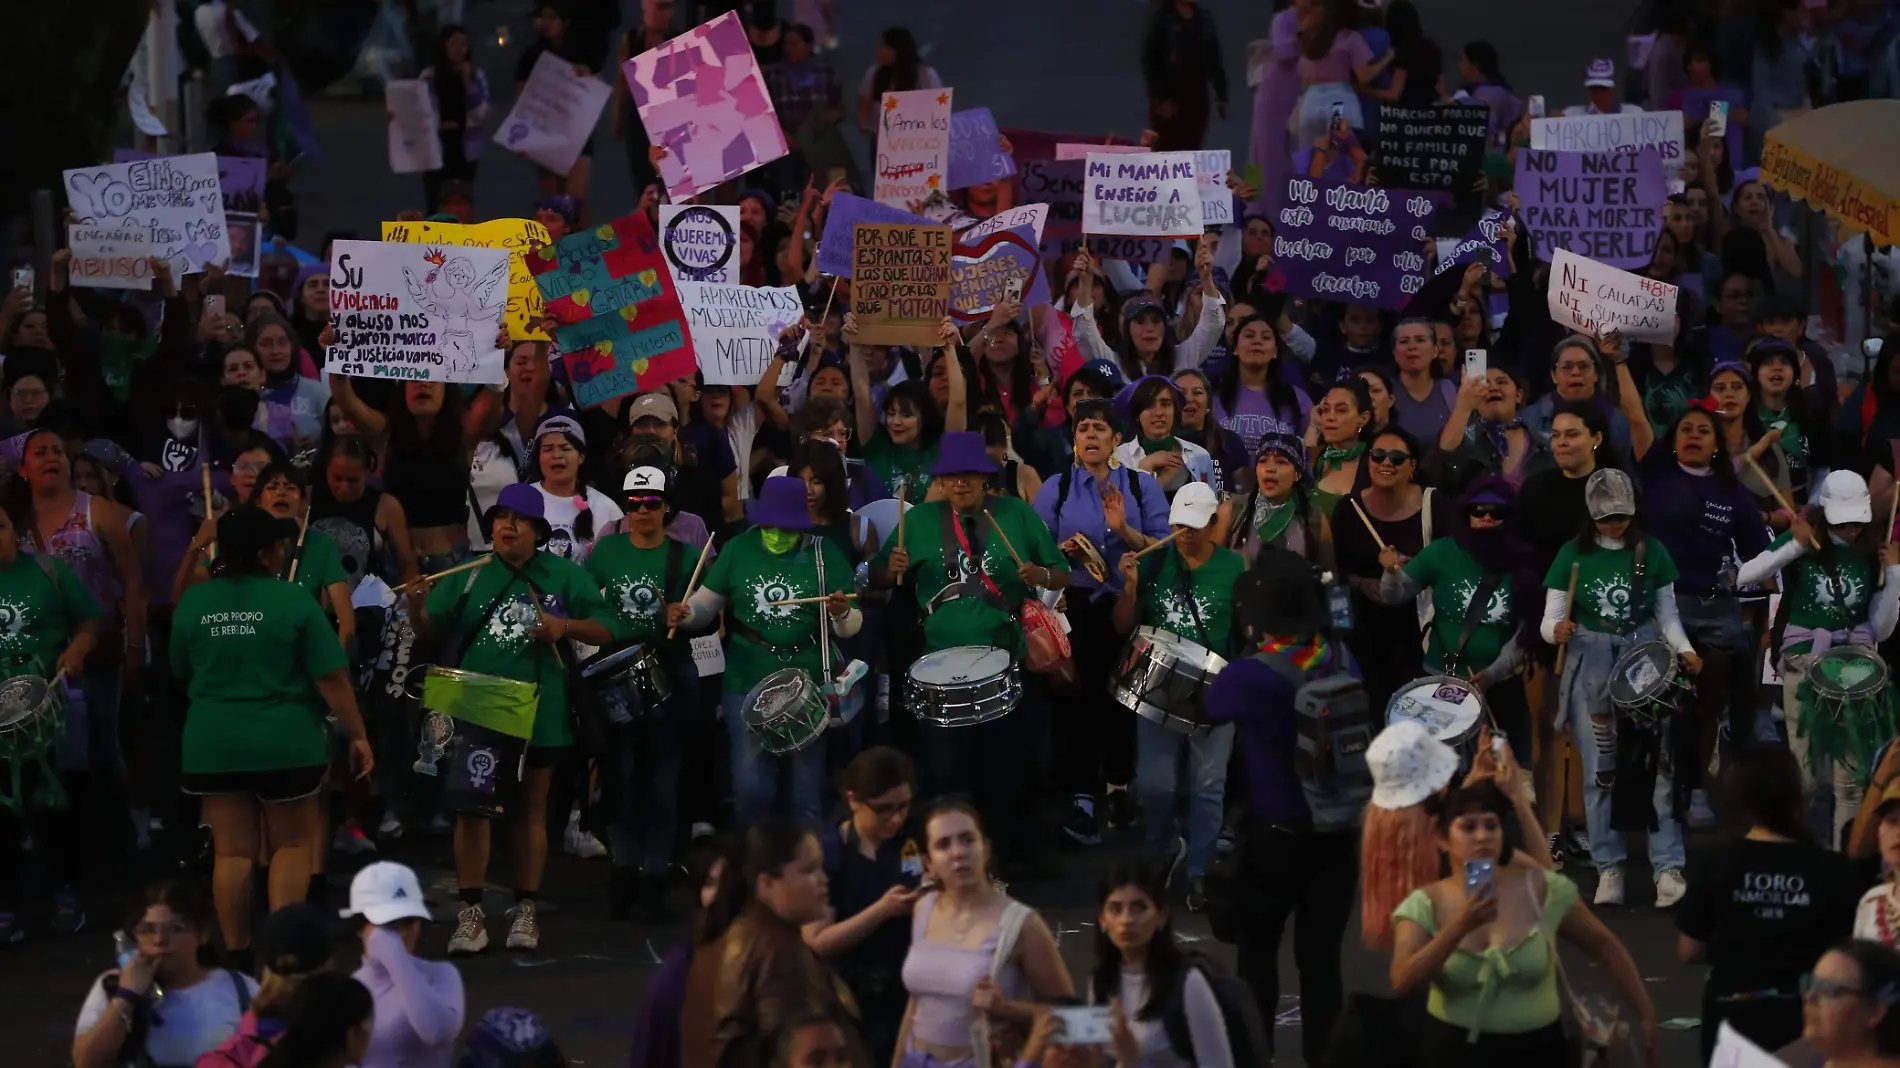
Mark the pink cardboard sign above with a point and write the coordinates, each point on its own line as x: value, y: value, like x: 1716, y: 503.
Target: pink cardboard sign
x: 702, y: 97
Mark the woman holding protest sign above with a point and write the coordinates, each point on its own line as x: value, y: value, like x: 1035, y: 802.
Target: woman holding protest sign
x: 1147, y: 346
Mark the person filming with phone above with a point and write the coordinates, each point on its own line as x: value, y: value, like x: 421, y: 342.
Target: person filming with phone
x: 1481, y: 941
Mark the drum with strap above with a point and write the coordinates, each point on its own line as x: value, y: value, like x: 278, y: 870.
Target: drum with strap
x: 481, y: 724
x: 1848, y: 702
x: 629, y: 683
x: 1163, y: 677
x: 32, y: 722
x: 786, y: 711
x: 1451, y: 709
x: 964, y: 685
x: 1647, y: 685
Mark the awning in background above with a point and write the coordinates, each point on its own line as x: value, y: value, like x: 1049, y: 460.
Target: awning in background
x: 1845, y: 160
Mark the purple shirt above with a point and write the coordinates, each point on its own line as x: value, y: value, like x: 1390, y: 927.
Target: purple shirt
x: 1336, y: 66
x: 419, y: 1005
x: 1252, y: 411
x: 1254, y: 695
x: 167, y: 502
x: 656, y: 1037
x: 1425, y: 419
x: 1082, y: 513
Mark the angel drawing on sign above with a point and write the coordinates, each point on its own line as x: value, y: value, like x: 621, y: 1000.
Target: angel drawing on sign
x: 452, y: 293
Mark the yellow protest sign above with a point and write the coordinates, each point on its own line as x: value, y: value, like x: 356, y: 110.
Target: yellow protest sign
x: 519, y: 236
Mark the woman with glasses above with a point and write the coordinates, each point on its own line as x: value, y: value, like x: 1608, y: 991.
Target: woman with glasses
x: 1393, y: 512
x: 1593, y: 371
x: 1765, y: 905
x: 28, y: 394
x: 1850, y: 1006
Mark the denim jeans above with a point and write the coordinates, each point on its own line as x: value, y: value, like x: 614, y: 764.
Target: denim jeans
x: 1606, y: 845
x: 1159, y: 753
x: 641, y: 776
x: 759, y: 776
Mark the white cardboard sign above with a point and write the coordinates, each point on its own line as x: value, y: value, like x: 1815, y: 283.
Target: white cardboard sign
x: 1141, y: 195
x: 1589, y: 297
x: 417, y: 312
x: 175, y: 200
x: 735, y: 329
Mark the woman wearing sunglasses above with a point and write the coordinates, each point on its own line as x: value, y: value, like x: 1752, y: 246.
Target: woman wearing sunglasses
x: 1850, y: 1006
x: 1392, y: 512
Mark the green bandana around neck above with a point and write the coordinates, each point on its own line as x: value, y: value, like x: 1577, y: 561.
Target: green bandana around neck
x: 1150, y: 446
x: 1271, y: 520
x: 1334, y: 457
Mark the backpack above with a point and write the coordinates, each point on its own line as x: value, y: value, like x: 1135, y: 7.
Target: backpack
x: 1239, y: 1015
x: 1336, y: 725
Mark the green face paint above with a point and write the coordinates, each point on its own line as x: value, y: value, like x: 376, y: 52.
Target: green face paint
x: 779, y: 540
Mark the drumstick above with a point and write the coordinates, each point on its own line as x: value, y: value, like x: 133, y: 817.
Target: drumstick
x: 204, y: 472
x: 475, y: 563
x: 1005, y: 537
x: 1780, y: 497
x: 704, y: 550
x: 1893, y: 512
x: 901, y: 487
x: 809, y: 600
x: 1153, y: 545
x: 1367, y: 520
x: 1569, y: 607
x: 826, y: 314
x: 303, y: 531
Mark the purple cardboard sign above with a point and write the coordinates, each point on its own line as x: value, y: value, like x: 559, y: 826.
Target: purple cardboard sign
x: 1604, y: 206
x: 847, y: 211
x: 1336, y: 241
x: 976, y: 153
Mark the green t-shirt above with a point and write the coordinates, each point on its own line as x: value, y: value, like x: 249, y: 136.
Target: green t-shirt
x: 320, y: 565
x: 1603, y: 584
x: 1453, y: 577
x: 1820, y: 599
x: 900, y: 465
x: 40, y: 612
x: 251, y: 649
x: 768, y: 637
x: 506, y: 646
x: 972, y: 620
x: 633, y: 580
x: 1164, y: 600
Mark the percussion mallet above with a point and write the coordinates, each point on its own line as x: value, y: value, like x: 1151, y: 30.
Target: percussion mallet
x: 204, y: 473
x: 479, y: 561
x: 1159, y: 542
x: 1367, y: 520
x: 303, y: 531
x: 1780, y: 497
x: 901, y: 487
x: 826, y: 314
x: 704, y: 551
x: 809, y: 600
x: 1569, y: 607
x: 1893, y: 512
x: 1005, y: 537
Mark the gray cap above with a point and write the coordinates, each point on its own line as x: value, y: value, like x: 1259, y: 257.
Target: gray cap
x: 1609, y: 493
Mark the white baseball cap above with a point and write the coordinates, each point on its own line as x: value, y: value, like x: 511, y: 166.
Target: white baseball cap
x: 1600, y: 74
x: 1194, y: 506
x: 1408, y: 765
x: 386, y: 892
x: 644, y: 480
x: 1844, y: 498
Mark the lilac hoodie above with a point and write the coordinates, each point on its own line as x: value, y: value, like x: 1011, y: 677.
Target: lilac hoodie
x: 419, y: 1005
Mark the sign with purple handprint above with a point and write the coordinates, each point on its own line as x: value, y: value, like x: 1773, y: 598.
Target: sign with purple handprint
x: 417, y: 313
x: 703, y: 99
x: 554, y: 115
x: 175, y: 201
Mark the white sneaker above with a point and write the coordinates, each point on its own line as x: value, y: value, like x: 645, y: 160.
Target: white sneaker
x: 1670, y: 886
x: 582, y: 844
x: 471, y: 932
x: 525, y: 932
x: 391, y: 827
x: 1610, y: 886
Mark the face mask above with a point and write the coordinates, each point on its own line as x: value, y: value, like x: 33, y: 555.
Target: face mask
x: 181, y: 429
x: 779, y: 540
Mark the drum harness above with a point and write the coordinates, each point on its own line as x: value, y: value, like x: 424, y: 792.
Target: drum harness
x: 785, y: 653
x: 955, y: 541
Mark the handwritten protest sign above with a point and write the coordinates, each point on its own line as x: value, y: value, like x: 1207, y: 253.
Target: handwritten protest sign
x: 109, y: 256
x: 847, y: 211
x: 246, y: 236
x: 1734, y: 1050
x: 913, y: 146
x: 1484, y: 244
x: 900, y: 282
x: 1604, y: 133
x: 518, y: 236
x: 554, y: 115
x: 1210, y: 177
x: 702, y: 98
x: 176, y: 200
x: 735, y: 328
x: 1336, y: 241
x: 1603, y: 205
x: 976, y: 150
x: 1429, y: 148
x: 987, y: 257
x: 1587, y: 296
x: 1153, y: 195
x: 622, y: 327
x: 414, y: 145
x: 416, y: 312
x: 240, y: 178
x: 700, y: 242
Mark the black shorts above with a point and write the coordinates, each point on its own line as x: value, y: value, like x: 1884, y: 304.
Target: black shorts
x: 271, y: 787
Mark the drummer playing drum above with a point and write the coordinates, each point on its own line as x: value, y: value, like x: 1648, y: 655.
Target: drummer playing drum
x: 970, y: 584
x: 1186, y: 589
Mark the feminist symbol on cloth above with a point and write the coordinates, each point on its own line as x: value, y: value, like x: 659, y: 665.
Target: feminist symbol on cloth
x: 481, y: 768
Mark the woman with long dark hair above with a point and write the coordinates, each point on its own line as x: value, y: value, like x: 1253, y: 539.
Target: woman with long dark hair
x: 1152, y: 406
x: 460, y: 91
x: 1198, y: 426
x: 1417, y: 69
x: 1486, y: 435
x: 899, y: 68
x: 1165, y: 1009
x: 1744, y: 921
x: 1783, y: 407
x: 327, y: 1025
x: 1337, y: 436
x: 1253, y: 388
x: 1738, y: 424
x: 1147, y: 345
x: 1334, y: 62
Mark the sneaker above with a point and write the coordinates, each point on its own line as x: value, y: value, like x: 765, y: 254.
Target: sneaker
x: 391, y: 827
x: 1122, y: 812
x: 12, y: 930
x: 702, y: 829
x: 1197, y: 894
x: 1577, y: 844
x: 1610, y: 887
x: 1082, y: 826
x: 350, y: 839
x: 471, y: 932
x: 1670, y: 886
x: 1557, y: 852
x: 582, y: 844
x: 68, y: 916
x: 1172, y: 859
x: 525, y: 931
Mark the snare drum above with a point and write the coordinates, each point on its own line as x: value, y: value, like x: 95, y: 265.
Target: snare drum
x: 1450, y: 708
x: 630, y: 682
x: 1647, y: 685
x: 482, y: 724
x: 1847, y: 708
x: 785, y: 711
x: 32, y: 722
x: 1846, y: 677
x: 1163, y: 677
x: 964, y: 685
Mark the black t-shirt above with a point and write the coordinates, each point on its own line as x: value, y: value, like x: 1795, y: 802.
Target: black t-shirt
x: 1550, y: 511
x: 857, y: 883
x: 1767, y: 911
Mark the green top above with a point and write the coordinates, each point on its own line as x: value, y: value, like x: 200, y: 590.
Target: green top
x: 900, y: 465
x: 1824, y: 599
x: 767, y: 637
x: 1603, y: 584
x: 1164, y: 596
x: 633, y: 581
x: 1499, y: 991
x: 39, y: 611
x: 1794, y: 443
x: 1446, y: 569
x: 972, y: 620
x: 506, y: 646
x: 251, y: 649
x: 320, y: 565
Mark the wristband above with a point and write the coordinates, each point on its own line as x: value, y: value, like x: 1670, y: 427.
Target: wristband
x: 136, y: 999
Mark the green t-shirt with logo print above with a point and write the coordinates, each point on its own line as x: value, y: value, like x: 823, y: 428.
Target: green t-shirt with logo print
x: 1834, y: 596
x: 633, y: 580
x: 1453, y: 577
x: 40, y: 611
x: 971, y: 620
x: 769, y: 637
x: 1167, y: 583
x: 1604, y: 575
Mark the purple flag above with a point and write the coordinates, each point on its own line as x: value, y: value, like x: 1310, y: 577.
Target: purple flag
x: 1337, y: 241
x: 834, y: 248
x: 975, y: 156
x: 1605, y: 206
x: 1485, y: 243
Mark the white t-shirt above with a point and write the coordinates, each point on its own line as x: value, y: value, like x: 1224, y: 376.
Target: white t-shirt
x: 1867, y: 917
x: 1207, y: 1030
x: 490, y: 470
x: 196, y: 1018
x: 562, y: 513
